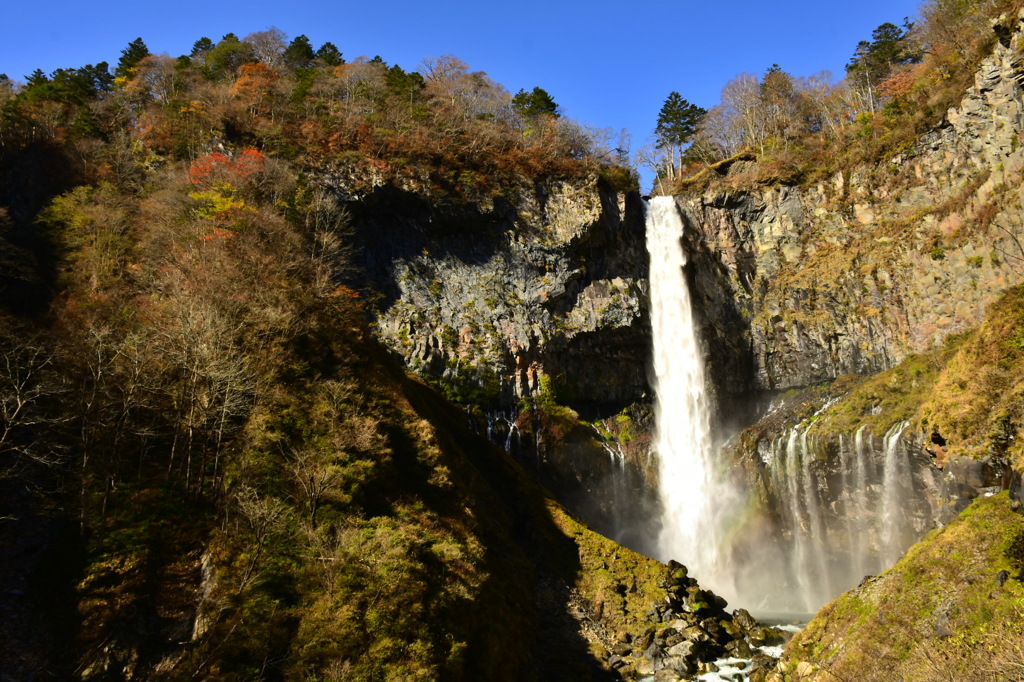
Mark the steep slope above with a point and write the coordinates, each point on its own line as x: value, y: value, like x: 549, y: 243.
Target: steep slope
x: 531, y: 309
x: 217, y: 467
x: 949, y: 610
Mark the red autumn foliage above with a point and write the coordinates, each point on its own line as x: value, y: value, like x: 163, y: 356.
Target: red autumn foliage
x: 899, y: 85
x: 218, y: 168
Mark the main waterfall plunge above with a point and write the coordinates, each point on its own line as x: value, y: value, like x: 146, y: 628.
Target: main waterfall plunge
x: 690, y: 490
x: 833, y: 510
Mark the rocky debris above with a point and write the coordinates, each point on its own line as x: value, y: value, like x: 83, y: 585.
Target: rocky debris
x: 691, y: 631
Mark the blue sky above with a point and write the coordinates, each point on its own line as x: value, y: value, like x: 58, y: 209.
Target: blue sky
x: 607, y: 64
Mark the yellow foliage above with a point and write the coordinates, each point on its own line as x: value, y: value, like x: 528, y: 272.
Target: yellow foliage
x: 220, y: 204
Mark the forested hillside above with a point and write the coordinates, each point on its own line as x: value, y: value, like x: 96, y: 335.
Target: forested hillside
x: 209, y: 467
x: 804, y: 128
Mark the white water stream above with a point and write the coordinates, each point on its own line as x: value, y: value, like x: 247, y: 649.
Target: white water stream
x: 691, y: 492
x: 832, y: 532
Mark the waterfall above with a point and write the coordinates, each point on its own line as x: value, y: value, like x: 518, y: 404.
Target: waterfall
x: 858, y: 493
x: 894, y: 473
x: 691, y: 493
x: 836, y: 516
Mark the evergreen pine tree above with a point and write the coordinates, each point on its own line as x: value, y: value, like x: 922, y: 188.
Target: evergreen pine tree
x: 677, y: 122
x: 201, y: 46
x: 330, y: 55
x: 130, y: 56
x: 535, y: 103
x: 299, y: 53
x: 889, y: 47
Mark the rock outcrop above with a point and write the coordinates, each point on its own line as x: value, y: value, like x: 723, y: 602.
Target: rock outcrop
x: 532, y: 308
x: 852, y: 274
x: 487, y: 299
x: 692, y: 630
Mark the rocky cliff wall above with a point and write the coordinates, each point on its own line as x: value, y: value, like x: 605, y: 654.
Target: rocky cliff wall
x: 499, y: 301
x: 801, y: 284
x: 831, y: 503
x: 532, y: 308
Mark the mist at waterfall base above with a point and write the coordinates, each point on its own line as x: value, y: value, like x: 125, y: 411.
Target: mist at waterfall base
x: 818, y: 533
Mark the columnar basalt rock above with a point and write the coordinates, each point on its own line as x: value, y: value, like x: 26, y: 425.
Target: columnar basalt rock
x: 533, y: 307
x: 487, y: 299
x: 856, y: 273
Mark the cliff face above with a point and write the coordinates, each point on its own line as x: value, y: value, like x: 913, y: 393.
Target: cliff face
x: 846, y: 475
x: 531, y: 307
x: 855, y: 273
x: 488, y: 298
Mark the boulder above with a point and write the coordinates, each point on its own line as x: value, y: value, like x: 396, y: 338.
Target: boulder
x: 684, y: 649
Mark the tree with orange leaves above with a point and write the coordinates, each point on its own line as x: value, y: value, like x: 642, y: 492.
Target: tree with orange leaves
x: 255, y: 86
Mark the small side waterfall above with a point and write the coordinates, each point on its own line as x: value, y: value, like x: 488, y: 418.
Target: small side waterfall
x: 689, y: 487
x: 893, y: 527
x: 843, y: 523
x: 502, y: 430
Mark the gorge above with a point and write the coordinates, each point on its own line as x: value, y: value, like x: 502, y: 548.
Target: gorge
x: 853, y: 409
x: 326, y: 370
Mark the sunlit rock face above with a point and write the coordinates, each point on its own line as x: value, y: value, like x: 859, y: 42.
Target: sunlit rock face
x: 797, y: 285
x: 488, y: 299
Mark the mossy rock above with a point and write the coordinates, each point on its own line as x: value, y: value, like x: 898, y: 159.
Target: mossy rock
x: 945, y: 611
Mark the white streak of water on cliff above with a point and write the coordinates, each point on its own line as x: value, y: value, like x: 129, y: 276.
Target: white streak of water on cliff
x: 688, y: 488
x: 893, y: 475
x: 859, y: 492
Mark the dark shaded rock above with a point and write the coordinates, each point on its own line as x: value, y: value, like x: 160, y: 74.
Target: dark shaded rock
x: 714, y: 629
x: 942, y: 629
x: 667, y: 675
x: 739, y: 648
x: 743, y: 618
x: 683, y: 666
x: 654, y: 653
x: 644, y: 640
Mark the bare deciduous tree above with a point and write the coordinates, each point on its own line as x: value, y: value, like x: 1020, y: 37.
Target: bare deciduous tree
x: 265, y: 515
x: 268, y: 46
x: 24, y: 384
x: 327, y: 223
x: 315, y: 473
